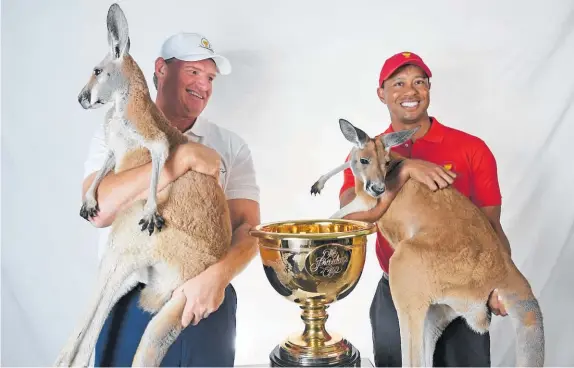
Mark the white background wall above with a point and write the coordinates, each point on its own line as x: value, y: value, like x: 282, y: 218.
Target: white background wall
x: 502, y: 70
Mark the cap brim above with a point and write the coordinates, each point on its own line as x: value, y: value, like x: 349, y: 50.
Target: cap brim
x: 222, y: 63
x: 425, y: 68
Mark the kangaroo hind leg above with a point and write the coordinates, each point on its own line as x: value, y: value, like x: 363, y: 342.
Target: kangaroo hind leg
x: 438, y: 317
x: 160, y: 333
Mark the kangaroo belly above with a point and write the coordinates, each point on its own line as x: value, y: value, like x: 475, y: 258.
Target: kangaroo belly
x: 197, y: 204
x: 446, y: 230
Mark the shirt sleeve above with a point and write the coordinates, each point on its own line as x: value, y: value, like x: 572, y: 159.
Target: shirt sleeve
x: 348, y: 178
x: 242, y: 181
x: 485, y: 189
x: 97, y: 152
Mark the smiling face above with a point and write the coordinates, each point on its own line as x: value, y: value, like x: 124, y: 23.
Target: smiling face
x: 184, y: 87
x: 406, y: 94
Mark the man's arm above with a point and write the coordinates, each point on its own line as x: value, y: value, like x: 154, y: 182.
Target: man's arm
x: 242, y: 192
x: 372, y: 215
x: 206, y: 291
x: 493, y: 214
x: 245, y: 215
x: 116, y: 191
x: 434, y: 176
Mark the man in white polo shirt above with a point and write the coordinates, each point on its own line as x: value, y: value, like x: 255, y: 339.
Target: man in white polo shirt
x: 184, y: 75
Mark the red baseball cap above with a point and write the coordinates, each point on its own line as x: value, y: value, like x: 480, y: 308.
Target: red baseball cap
x: 400, y: 59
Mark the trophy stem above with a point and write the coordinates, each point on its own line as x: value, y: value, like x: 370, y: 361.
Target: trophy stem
x: 314, y: 315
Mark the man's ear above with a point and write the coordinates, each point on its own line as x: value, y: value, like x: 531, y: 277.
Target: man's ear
x: 160, y: 66
x: 381, y: 94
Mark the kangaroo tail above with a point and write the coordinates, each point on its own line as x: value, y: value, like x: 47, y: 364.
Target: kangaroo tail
x: 526, y: 315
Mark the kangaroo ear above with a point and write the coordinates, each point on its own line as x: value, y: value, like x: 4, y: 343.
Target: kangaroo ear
x: 397, y: 138
x: 353, y: 134
x: 118, y: 33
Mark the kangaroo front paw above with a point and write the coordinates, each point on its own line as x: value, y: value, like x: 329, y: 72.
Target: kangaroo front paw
x: 151, y: 222
x: 317, y: 187
x: 89, y: 209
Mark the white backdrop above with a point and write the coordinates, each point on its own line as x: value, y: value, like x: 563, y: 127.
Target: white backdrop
x: 502, y: 70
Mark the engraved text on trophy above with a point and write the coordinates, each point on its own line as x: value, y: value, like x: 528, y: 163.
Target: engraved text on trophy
x: 328, y: 261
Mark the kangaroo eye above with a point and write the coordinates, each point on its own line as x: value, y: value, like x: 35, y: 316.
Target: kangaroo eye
x: 97, y: 71
x: 364, y: 161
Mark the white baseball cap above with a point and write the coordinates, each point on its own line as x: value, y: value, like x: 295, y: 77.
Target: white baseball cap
x: 193, y: 47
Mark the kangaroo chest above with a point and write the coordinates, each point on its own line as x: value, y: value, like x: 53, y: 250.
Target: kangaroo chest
x: 122, y: 137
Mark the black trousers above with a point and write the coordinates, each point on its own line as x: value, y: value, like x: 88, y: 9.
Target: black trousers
x: 459, y: 346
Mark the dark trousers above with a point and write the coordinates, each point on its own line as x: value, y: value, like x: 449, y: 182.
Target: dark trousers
x: 210, y: 343
x: 459, y: 346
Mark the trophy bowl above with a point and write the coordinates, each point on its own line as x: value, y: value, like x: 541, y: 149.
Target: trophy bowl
x: 314, y: 263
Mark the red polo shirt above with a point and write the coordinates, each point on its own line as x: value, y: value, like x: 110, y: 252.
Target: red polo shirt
x: 464, y: 154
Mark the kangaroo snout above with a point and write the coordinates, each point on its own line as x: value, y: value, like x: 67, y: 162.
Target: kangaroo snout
x: 375, y: 189
x: 84, y: 99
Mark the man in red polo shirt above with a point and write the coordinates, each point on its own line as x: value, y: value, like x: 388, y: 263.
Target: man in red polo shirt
x: 436, y: 149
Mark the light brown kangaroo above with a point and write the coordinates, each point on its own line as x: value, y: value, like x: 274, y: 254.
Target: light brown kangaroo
x: 174, y: 234
x: 447, y: 257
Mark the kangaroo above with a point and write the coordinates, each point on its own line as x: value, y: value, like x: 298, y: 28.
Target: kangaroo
x: 174, y: 234
x: 447, y: 257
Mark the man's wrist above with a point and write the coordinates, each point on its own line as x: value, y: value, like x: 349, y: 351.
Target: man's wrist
x: 399, y: 173
x: 406, y: 166
x: 219, y: 272
x: 189, y: 159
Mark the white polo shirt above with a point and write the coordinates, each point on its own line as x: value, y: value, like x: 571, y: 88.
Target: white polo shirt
x: 237, y: 177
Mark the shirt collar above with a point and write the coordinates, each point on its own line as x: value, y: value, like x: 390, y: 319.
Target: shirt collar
x: 199, y: 128
x: 435, y: 134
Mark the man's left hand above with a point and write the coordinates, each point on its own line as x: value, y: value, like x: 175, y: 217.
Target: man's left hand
x: 204, y: 294
x: 496, y: 305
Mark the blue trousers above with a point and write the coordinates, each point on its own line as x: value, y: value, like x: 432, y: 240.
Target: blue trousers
x: 210, y: 343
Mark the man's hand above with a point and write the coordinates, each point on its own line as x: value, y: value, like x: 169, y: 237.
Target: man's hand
x: 434, y: 176
x: 199, y: 158
x: 495, y: 304
x: 204, y: 294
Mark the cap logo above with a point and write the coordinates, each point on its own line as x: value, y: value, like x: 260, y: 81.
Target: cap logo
x: 407, y: 54
x: 205, y: 44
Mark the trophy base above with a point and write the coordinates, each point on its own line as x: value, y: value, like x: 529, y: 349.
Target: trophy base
x: 339, y: 354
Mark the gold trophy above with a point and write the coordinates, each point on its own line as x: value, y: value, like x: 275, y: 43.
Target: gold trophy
x: 314, y: 263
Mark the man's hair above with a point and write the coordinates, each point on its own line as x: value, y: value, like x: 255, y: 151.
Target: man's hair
x: 167, y: 61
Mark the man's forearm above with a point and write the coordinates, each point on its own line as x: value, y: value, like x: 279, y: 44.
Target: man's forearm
x: 375, y: 213
x: 119, y: 190
x: 243, y: 250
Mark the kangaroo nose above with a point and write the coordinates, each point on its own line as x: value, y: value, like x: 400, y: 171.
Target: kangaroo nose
x: 84, y: 99
x: 376, y: 189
